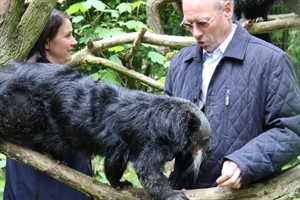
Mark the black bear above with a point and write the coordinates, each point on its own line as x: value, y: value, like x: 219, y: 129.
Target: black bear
x: 56, y: 107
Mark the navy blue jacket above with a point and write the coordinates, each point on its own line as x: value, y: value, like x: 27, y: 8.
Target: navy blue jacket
x: 259, y: 126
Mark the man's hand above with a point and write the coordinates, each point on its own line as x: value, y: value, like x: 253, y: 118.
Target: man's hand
x: 230, y: 175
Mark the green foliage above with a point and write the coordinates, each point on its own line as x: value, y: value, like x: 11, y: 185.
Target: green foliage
x: 292, y: 163
x: 294, y: 48
x: 98, y: 171
x: 288, y: 40
x: 97, y: 20
x: 2, y: 173
x: 106, y: 75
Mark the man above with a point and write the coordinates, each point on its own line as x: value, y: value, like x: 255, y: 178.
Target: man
x: 248, y: 91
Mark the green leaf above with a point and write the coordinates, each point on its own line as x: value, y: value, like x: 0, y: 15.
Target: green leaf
x: 156, y: 57
x: 133, y: 24
x: 109, y: 76
x: 77, y: 19
x: 150, y: 45
x: 102, y: 32
x: 2, y: 160
x: 124, y: 7
x: 116, y: 49
x: 106, y: 33
x: 162, y: 80
x: 98, y: 5
x: 171, y: 54
x: 115, y: 58
x: 96, y: 76
x: 136, y: 4
x: 116, y: 31
x: 102, y: 178
x: 87, y: 4
x: 113, y: 13
x: 76, y: 8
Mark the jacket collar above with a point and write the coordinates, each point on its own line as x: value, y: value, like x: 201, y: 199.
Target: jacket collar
x: 236, y: 48
x: 195, y: 52
x: 238, y: 45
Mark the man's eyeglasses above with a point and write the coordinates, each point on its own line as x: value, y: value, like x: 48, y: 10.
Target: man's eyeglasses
x: 202, y: 23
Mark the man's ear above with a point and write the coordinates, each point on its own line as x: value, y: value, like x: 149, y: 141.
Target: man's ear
x: 228, y: 8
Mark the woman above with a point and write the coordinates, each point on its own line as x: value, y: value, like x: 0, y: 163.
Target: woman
x: 54, y: 45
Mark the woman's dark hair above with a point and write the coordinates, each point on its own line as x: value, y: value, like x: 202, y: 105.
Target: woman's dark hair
x: 55, y: 21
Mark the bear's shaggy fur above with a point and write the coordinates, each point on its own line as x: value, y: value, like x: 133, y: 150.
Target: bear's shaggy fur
x: 57, y: 108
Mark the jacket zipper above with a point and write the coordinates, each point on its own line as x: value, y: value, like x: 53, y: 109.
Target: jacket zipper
x: 227, y: 97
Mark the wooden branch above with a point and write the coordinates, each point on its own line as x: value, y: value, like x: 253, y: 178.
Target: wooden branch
x: 69, y: 176
x: 273, y: 25
x: 291, y: 21
x: 149, y: 38
x: 284, y: 186
x: 281, y: 16
x: 136, y: 43
x: 153, y: 16
x: 86, y: 55
x: 128, y: 72
x: 154, y: 21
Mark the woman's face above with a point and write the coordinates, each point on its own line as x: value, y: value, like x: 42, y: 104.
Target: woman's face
x: 59, y: 49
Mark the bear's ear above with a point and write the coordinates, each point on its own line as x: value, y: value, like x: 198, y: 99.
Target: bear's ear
x: 194, y: 122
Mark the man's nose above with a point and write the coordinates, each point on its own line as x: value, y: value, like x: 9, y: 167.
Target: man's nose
x: 197, y: 32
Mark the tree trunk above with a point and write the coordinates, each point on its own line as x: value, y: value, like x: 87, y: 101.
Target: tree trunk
x: 18, y: 33
x: 284, y: 186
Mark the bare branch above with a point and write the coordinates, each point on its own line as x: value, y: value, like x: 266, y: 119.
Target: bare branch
x: 284, y: 186
x: 280, y: 23
x: 128, y: 72
x: 150, y: 38
x: 86, y: 55
x: 283, y: 22
x: 136, y: 43
x: 64, y: 174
